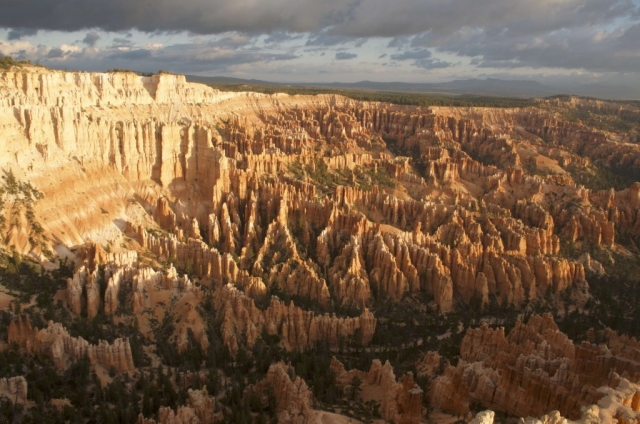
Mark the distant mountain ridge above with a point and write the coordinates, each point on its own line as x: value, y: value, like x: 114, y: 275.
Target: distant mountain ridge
x: 482, y: 87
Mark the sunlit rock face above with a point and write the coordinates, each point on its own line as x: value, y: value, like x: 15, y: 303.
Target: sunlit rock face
x: 248, y: 174
x: 55, y: 342
x: 536, y: 369
x: 294, y: 218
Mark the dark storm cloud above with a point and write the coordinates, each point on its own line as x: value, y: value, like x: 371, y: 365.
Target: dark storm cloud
x: 497, y: 33
x: 18, y: 33
x: 630, y: 39
x: 197, y: 16
x: 91, y: 38
x: 407, y: 17
x: 359, y: 18
x: 55, y: 54
x: 345, y: 56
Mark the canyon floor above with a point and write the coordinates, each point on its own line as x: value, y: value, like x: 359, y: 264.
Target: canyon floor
x: 172, y: 253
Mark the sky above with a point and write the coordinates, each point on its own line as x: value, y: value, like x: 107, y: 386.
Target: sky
x: 552, y: 41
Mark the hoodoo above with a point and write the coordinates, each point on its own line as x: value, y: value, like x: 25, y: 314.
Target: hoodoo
x: 188, y: 255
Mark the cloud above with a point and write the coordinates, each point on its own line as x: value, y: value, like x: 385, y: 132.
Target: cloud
x: 412, y: 54
x: 220, y: 54
x: 122, y: 42
x: 431, y: 63
x: 422, y: 58
x: 91, y: 38
x: 196, y: 16
x: 279, y: 37
x: 24, y: 50
x: 19, y: 33
x: 397, y: 42
x: 55, y: 53
x: 282, y: 56
x: 593, y: 35
x: 345, y: 56
x: 326, y: 40
x: 196, y: 57
x: 130, y: 55
x: 588, y: 49
x: 234, y: 41
x: 382, y: 18
x: 355, y: 18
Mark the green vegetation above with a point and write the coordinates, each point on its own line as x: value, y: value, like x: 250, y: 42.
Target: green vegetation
x: 89, y: 399
x: 616, y: 294
x: 25, y: 279
x: 600, y: 120
x: 367, y: 178
x: 327, y: 179
x: 120, y: 71
x: 400, y: 98
x: 406, y: 328
x: 417, y: 318
x: 152, y: 387
x: 7, y: 62
x: 142, y: 74
x: 597, y: 177
x: 20, y: 198
x: 569, y: 97
x: 28, y: 281
x: 615, y: 301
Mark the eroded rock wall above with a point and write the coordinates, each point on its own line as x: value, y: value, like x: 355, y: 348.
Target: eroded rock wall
x: 400, y: 400
x: 532, y: 370
x: 55, y: 342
